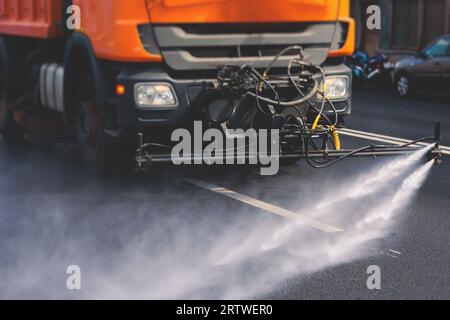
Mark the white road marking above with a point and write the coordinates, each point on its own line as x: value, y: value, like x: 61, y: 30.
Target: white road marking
x: 386, y: 139
x: 384, y: 253
x: 389, y: 255
x: 266, y: 206
x: 379, y: 135
x: 396, y: 252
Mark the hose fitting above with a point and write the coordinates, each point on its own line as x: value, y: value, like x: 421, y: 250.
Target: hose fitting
x: 316, y: 122
x: 336, y: 138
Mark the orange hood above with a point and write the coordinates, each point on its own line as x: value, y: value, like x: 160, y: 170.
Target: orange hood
x: 242, y: 11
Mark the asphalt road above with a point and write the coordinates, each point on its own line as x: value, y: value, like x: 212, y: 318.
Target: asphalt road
x: 227, y: 236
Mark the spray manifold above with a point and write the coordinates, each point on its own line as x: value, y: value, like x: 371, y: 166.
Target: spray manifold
x: 305, y: 125
x: 292, y: 100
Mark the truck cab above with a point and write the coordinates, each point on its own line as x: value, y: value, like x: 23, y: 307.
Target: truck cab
x: 137, y: 65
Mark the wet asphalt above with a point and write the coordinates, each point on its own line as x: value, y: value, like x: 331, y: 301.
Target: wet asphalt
x: 158, y: 236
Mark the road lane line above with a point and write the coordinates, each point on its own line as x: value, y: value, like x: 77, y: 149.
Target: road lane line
x: 384, y: 253
x: 363, y: 133
x: 265, y: 206
x: 386, y: 139
x: 396, y: 252
x: 377, y: 135
x: 372, y: 138
x: 389, y: 255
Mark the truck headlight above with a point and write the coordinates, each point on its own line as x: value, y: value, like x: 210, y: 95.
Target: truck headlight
x: 335, y: 87
x: 155, y: 95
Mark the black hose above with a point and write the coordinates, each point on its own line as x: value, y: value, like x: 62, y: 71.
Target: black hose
x: 331, y: 163
x: 290, y: 103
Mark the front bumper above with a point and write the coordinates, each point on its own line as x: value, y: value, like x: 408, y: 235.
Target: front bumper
x: 187, y: 90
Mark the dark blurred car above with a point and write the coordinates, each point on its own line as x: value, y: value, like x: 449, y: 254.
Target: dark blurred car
x: 428, y: 70
x: 375, y: 70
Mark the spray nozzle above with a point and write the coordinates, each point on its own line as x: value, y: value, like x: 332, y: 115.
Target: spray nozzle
x: 436, y: 154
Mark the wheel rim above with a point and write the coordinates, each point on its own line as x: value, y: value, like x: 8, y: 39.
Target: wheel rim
x: 88, y: 126
x: 403, y: 86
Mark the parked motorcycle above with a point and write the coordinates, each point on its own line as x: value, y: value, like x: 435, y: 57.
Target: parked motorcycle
x: 376, y: 70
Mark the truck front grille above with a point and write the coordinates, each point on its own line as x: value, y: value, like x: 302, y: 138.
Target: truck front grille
x: 206, y: 46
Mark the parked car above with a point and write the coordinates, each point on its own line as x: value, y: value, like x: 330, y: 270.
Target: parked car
x: 428, y: 70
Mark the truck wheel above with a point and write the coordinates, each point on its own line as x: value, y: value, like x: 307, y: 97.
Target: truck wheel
x: 10, y: 130
x: 96, y: 147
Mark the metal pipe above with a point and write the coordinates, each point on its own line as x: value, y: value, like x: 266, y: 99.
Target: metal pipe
x: 332, y: 154
x: 437, y: 133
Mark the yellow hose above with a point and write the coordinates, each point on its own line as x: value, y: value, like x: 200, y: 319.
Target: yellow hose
x: 316, y: 122
x: 336, y: 139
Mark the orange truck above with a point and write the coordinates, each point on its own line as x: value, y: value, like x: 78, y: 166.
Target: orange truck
x: 100, y: 71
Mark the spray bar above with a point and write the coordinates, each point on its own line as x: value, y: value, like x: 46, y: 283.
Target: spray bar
x: 243, y: 96
x: 144, y: 158
x: 384, y: 152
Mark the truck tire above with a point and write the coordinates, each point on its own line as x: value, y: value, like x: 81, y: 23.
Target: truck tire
x: 90, y: 117
x: 96, y: 147
x: 9, y: 129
